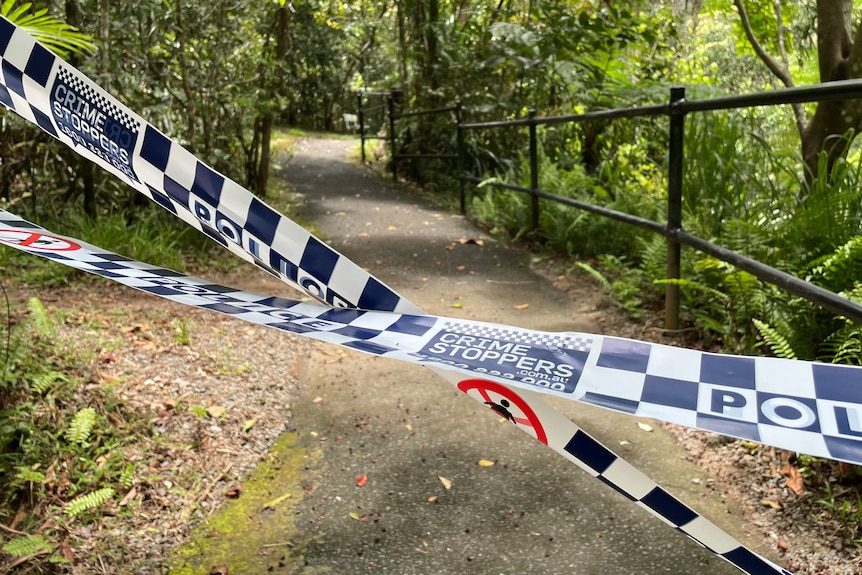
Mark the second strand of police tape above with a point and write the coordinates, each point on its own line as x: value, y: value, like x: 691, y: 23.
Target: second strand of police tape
x: 402, y: 336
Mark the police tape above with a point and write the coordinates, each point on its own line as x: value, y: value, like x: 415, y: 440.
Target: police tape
x: 47, y: 91
x: 423, y: 340
x: 797, y: 405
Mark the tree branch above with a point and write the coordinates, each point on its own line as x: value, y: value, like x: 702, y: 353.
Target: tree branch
x: 782, y: 50
x: 779, y: 70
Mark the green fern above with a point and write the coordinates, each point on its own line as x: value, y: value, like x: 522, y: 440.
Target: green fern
x: 127, y: 476
x: 45, y: 382
x: 28, y: 545
x: 841, y: 268
x: 51, y: 31
x: 81, y: 426
x: 89, y: 501
x: 774, y: 340
x: 694, y: 285
x: 40, y: 319
x: 29, y: 475
x: 595, y: 273
x: 843, y: 346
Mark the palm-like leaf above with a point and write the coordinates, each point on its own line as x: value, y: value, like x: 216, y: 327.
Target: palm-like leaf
x: 49, y: 30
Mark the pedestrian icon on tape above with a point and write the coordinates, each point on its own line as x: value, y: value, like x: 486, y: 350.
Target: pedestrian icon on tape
x: 506, y: 402
x: 502, y: 409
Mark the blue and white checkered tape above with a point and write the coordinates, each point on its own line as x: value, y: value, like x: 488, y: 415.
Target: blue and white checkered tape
x: 47, y: 91
x: 501, y: 354
x: 43, y: 89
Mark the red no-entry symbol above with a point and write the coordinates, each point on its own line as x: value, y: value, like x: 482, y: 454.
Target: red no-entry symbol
x: 505, y: 402
x: 36, y: 241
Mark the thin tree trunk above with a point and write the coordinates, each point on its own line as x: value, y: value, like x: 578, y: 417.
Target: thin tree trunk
x: 190, y: 102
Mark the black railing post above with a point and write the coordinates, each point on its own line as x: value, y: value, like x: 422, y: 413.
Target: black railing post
x: 534, y: 171
x: 391, y: 104
x: 459, y: 163
x: 361, y: 124
x: 674, y: 205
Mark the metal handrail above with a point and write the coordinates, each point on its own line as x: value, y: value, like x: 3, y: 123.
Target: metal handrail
x: 676, y: 110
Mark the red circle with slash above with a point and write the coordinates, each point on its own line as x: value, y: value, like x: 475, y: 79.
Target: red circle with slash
x: 37, y: 241
x: 529, y: 419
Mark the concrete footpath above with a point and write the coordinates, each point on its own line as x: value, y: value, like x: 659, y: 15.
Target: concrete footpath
x: 450, y: 487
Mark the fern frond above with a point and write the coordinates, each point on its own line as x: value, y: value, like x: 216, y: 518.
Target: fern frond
x: 127, y: 477
x: 44, y: 382
x: 595, y: 273
x: 40, y: 319
x: 774, y: 340
x: 691, y: 284
x: 28, y: 545
x: 844, y: 346
x: 81, y: 426
x: 841, y: 268
x: 51, y: 31
x: 89, y: 501
x: 29, y: 475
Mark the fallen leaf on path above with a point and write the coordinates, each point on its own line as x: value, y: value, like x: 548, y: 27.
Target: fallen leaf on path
x: 408, y: 427
x: 276, y: 501
x: 246, y: 427
x: 133, y: 492
x: 644, y: 426
x: 795, y: 481
x: 68, y: 554
x: 782, y: 544
x: 392, y: 228
x: 216, y: 411
x: 457, y: 305
x: 446, y: 483
x: 486, y: 463
x: 354, y: 515
x: 522, y: 306
x: 432, y: 499
x: 317, y: 399
x: 770, y: 503
x: 362, y: 480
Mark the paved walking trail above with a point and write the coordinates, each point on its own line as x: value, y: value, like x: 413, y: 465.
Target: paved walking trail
x: 407, y: 430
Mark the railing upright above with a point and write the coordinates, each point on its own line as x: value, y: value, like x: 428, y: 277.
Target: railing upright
x: 361, y: 124
x: 534, y: 172
x: 391, y: 103
x: 676, y: 145
x: 676, y: 109
x: 459, y: 165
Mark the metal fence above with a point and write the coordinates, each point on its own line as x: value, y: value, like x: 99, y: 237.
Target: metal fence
x: 676, y: 109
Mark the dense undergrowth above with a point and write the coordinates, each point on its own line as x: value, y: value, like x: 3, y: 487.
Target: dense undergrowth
x: 63, y: 435
x: 67, y: 443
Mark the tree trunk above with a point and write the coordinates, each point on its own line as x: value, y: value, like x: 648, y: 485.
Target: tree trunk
x: 190, y: 101
x: 839, y: 57
x: 272, y: 84
x: 265, y: 155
